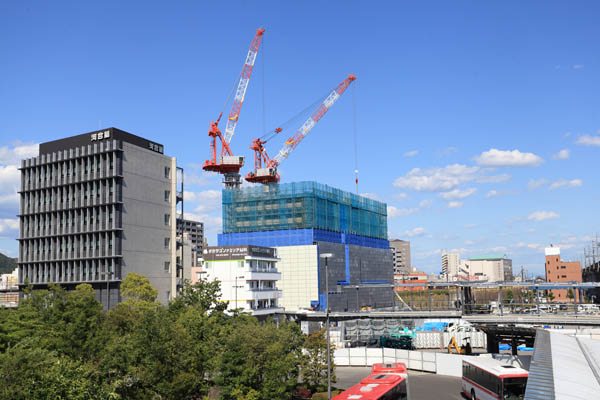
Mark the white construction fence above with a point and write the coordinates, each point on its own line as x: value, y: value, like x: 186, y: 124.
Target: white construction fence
x: 438, y: 363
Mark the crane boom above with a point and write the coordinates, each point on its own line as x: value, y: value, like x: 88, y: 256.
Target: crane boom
x: 305, y: 129
x: 240, y: 92
x: 269, y: 174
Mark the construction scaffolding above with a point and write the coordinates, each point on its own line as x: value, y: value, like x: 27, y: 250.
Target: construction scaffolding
x: 302, y: 205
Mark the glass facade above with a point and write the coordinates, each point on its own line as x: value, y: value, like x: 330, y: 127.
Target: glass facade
x: 302, y: 205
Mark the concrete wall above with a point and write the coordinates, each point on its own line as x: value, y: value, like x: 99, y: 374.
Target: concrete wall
x: 144, y: 208
x: 299, y: 269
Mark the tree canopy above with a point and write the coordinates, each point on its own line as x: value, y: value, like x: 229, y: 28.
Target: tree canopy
x: 60, y: 344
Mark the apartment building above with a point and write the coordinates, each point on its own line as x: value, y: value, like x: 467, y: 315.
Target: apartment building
x: 96, y: 206
x: 248, y: 277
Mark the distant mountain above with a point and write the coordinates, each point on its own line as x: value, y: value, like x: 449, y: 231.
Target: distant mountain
x: 7, y: 264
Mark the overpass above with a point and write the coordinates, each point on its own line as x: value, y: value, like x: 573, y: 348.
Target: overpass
x: 482, y: 320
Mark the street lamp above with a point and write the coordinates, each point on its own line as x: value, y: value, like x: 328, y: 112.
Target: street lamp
x: 327, y: 256
x: 236, y: 288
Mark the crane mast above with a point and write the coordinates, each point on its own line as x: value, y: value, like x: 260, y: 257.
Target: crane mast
x: 228, y: 164
x: 269, y: 174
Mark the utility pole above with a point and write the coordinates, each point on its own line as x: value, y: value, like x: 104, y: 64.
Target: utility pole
x: 326, y: 256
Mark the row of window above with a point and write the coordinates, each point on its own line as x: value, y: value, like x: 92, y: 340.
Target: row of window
x: 73, y: 246
x: 70, y: 271
x: 85, y: 165
x: 62, y: 222
x: 483, y: 378
x: 69, y: 196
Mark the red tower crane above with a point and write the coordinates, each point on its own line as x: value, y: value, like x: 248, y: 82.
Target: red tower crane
x: 268, y: 173
x: 226, y: 163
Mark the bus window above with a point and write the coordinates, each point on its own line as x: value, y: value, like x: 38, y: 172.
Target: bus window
x: 514, y: 388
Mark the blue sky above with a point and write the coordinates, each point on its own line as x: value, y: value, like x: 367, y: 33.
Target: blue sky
x: 477, y: 122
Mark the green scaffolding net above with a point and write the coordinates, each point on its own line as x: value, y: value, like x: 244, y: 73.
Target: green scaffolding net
x: 302, y: 205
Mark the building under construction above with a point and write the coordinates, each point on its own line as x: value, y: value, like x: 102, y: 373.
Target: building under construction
x: 306, y: 219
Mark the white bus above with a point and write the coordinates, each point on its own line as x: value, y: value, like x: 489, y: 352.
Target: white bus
x: 486, y: 378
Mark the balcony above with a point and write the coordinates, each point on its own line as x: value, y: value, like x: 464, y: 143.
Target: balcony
x: 254, y: 274
x: 260, y: 294
x: 266, y: 311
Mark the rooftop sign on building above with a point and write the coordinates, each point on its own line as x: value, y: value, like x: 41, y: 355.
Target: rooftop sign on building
x: 222, y: 253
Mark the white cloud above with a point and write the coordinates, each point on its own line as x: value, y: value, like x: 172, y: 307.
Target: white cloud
x: 497, y: 193
x: 9, y: 224
x: 588, y: 140
x: 564, y: 154
x: 13, y: 155
x: 411, y: 153
x: 533, y: 184
x: 10, y: 181
x: 443, y: 179
x: 393, y: 212
x: 455, y: 204
x: 508, y: 158
x: 499, y: 248
x: 203, y: 179
x: 542, y: 215
x: 414, y: 232
x: 578, y: 66
x: 469, y: 242
x: 209, y: 200
x: 457, y: 194
x: 566, y: 183
x: 470, y: 226
x: 400, y: 196
x: 425, y: 203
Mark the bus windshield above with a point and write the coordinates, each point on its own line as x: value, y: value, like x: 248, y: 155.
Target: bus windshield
x: 514, y: 388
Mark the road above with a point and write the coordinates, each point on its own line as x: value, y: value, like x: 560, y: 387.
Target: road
x: 423, y: 385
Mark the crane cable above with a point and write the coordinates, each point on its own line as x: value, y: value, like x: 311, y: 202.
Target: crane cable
x: 271, y: 133
x: 355, y: 135
x: 264, y: 110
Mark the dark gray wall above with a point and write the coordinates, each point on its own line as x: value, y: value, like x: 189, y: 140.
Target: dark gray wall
x: 366, y: 264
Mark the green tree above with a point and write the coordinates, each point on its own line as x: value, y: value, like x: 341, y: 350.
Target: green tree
x: 136, y: 288
x: 30, y: 372
x: 510, y: 296
x: 204, y: 296
x: 314, y: 361
x: 258, y: 361
x: 570, y: 294
x: 550, y: 295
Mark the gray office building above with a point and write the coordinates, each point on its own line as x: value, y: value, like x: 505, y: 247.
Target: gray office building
x: 401, y: 253
x: 194, y: 231
x: 95, y: 207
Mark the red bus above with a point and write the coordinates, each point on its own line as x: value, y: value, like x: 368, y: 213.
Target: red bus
x: 390, y: 368
x: 377, y: 387
x: 486, y: 378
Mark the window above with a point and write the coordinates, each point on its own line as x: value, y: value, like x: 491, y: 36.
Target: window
x: 167, y: 243
x: 167, y: 172
x: 564, y: 276
x: 167, y: 266
x: 167, y: 195
x: 563, y: 267
x: 167, y: 219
